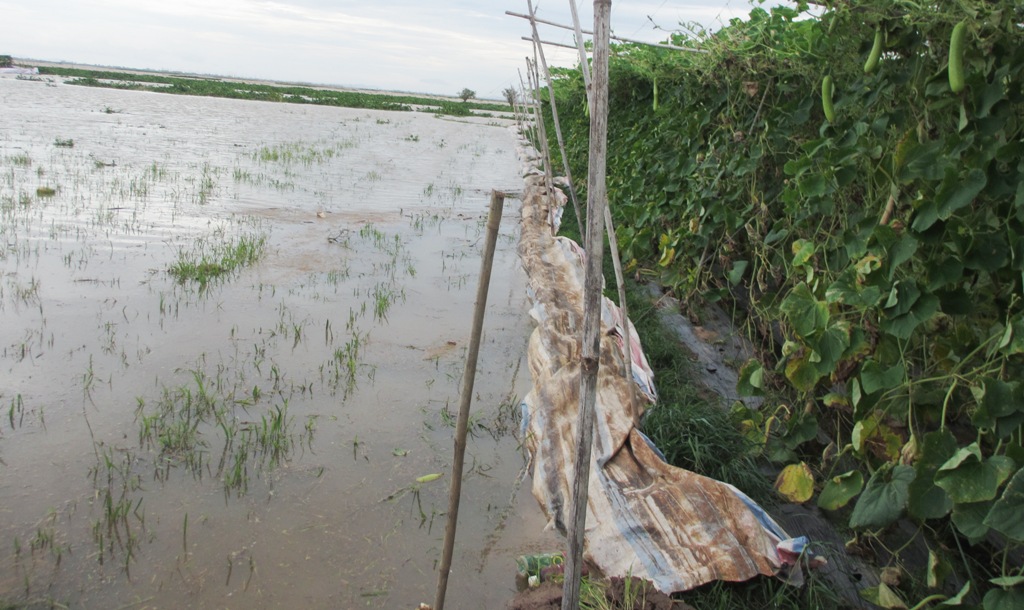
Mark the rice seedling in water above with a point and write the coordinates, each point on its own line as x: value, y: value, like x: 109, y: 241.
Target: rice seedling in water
x: 344, y: 365
x: 115, y: 482
x: 183, y: 419
x: 205, y: 262
x: 383, y: 297
x: 16, y: 411
x: 64, y: 143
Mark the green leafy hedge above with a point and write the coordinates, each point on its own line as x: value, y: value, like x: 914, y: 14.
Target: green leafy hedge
x: 878, y: 256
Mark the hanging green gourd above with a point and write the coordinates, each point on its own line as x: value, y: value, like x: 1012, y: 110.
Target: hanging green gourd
x: 827, y: 89
x: 655, y: 92
x: 956, y: 57
x: 876, y: 52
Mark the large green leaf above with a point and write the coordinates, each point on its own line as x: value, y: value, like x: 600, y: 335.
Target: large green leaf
x: 813, y: 185
x: 805, y: 313
x: 944, y: 271
x: 989, y: 252
x: 903, y: 326
x: 848, y: 291
x: 900, y: 252
x: 954, y: 192
x: 996, y: 399
x: 1004, y: 599
x: 802, y: 373
x: 884, y: 498
x: 927, y: 500
x: 840, y: 489
x: 960, y: 191
x: 875, y: 377
x: 923, y: 160
x: 970, y: 519
x: 967, y: 478
x: 830, y: 345
x: 1007, y: 514
x: 901, y: 299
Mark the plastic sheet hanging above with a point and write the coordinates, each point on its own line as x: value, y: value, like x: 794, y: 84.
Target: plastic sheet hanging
x: 645, y: 518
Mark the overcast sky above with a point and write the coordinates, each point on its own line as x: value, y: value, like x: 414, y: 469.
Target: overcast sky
x: 425, y: 46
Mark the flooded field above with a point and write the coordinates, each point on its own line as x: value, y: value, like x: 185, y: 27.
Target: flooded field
x: 231, y: 344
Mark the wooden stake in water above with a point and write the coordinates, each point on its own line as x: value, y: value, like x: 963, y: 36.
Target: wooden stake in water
x: 468, y: 377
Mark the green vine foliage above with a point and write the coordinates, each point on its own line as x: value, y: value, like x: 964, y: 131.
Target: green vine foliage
x: 878, y: 256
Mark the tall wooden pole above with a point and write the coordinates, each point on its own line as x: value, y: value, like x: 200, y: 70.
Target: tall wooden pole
x: 466, y: 398
x: 596, y: 201
x: 613, y: 243
x: 554, y: 118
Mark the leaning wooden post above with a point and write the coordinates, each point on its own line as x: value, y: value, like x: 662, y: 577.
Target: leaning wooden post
x: 596, y: 201
x: 554, y: 118
x: 468, y: 376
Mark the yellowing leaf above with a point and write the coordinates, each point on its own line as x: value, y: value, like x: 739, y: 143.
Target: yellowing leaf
x: 429, y: 477
x: 795, y: 483
x: 867, y: 265
x: 883, y: 596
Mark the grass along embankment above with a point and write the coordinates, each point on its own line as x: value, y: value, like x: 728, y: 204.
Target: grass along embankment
x: 214, y: 86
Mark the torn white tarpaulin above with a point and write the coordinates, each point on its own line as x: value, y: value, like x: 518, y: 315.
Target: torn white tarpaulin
x: 645, y: 518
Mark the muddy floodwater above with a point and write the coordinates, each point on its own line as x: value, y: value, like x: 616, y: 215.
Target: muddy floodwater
x: 266, y: 438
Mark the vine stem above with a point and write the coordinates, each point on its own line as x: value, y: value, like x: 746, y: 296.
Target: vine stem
x: 938, y: 597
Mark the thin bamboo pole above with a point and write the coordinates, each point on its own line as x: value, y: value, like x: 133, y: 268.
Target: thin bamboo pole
x: 548, y: 42
x: 596, y: 201
x: 584, y: 63
x: 554, y: 119
x: 468, y: 377
x: 660, y: 45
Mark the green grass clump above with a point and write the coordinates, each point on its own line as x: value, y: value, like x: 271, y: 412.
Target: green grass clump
x: 205, y: 263
x: 46, y: 191
x: 690, y: 428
